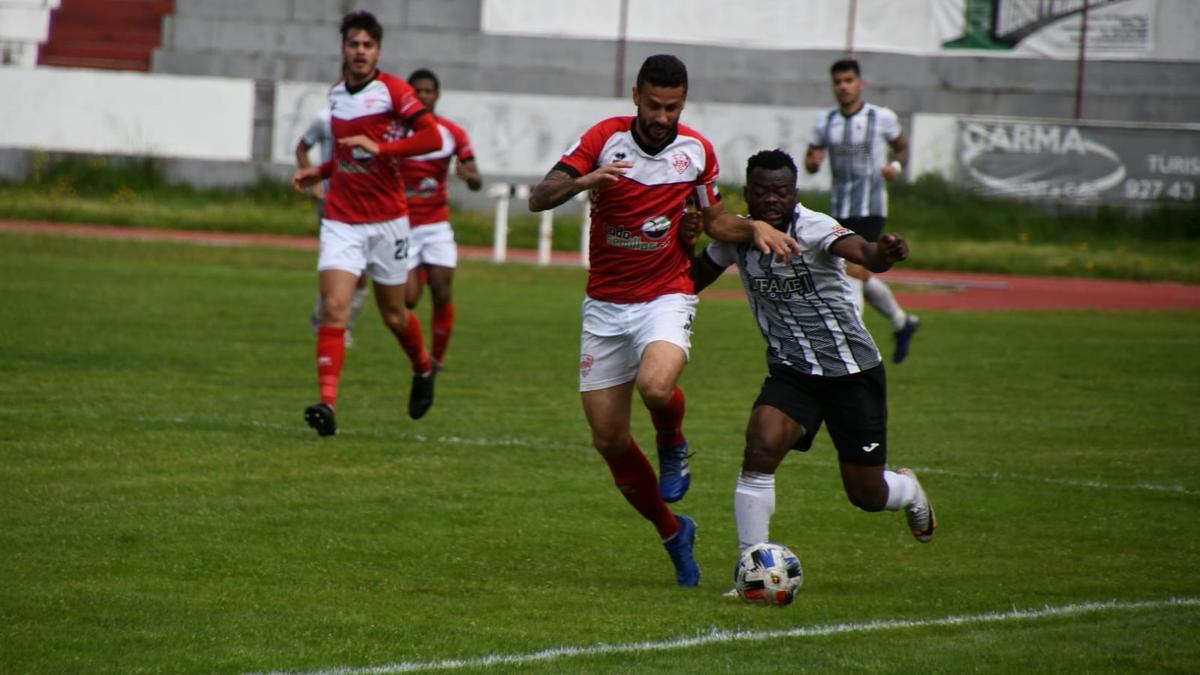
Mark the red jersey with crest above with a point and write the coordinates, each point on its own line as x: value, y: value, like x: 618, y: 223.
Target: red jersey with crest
x: 365, y: 188
x: 425, y: 175
x: 637, y: 253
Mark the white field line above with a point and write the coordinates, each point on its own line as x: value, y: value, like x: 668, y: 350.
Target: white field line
x: 1016, y: 477
x: 716, y: 635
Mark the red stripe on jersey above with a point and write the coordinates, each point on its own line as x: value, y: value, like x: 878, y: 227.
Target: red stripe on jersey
x: 637, y: 253
x: 425, y: 176
x: 366, y: 188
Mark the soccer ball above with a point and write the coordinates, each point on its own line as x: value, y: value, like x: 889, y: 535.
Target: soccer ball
x: 768, y: 574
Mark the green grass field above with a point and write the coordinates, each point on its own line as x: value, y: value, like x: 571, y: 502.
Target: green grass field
x: 163, y: 507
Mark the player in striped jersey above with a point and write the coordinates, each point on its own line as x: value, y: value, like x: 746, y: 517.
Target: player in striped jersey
x: 319, y: 134
x: 857, y: 135
x: 642, y: 172
x: 823, y: 365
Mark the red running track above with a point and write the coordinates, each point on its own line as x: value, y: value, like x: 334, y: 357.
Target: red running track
x: 916, y: 289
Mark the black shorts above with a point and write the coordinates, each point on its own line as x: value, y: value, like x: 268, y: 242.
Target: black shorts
x: 868, y: 227
x: 853, y: 406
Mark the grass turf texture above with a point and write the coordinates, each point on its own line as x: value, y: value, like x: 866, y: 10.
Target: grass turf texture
x: 952, y: 229
x: 164, y: 508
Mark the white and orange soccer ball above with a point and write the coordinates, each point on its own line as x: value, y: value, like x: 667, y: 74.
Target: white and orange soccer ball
x: 768, y: 574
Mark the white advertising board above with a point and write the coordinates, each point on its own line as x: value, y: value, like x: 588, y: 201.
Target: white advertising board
x: 124, y: 113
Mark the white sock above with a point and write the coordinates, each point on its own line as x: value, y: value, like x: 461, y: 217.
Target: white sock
x: 902, y: 490
x: 882, y: 299
x: 356, y: 306
x: 856, y: 293
x: 753, y: 506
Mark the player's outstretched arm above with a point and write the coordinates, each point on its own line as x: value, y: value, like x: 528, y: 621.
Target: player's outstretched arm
x: 813, y: 158
x: 303, y: 162
x: 879, y: 257
x: 724, y: 226
x: 892, y: 169
x: 704, y: 271
x: 469, y: 173
x: 306, y: 178
x: 424, y: 139
x: 558, y: 186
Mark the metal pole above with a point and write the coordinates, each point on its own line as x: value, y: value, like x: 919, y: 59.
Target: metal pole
x: 619, y: 76
x: 502, y: 193
x: 545, y: 237
x: 1082, y: 60
x: 850, y: 20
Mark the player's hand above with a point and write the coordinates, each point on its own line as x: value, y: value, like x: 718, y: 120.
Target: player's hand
x: 890, y: 171
x: 360, y: 141
x: 773, y: 242
x: 893, y: 248
x: 690, y: 227
x: 306, y: 178
x: 604, y: 176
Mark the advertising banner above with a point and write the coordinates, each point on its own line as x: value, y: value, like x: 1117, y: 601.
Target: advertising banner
x: 1052, y: 28
x: 1066, y: 161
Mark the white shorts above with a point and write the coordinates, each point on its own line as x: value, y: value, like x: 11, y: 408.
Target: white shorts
x: 615, y: 335
x: 433, y: 244
x: 379, y: 249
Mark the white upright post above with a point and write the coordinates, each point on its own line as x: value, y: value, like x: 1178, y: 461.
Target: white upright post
x: 585, y: 229
x: 545, y: 237
x: 501, y: 192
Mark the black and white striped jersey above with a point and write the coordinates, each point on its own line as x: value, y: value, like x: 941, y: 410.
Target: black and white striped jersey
x: 857, y: 148
x: 804, y: 306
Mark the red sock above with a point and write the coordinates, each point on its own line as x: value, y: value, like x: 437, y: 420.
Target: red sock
x: 668, y: 420
x: 413, y: 342
x: 635, y: 479
x: 331, y: 354
x: 443, y: 326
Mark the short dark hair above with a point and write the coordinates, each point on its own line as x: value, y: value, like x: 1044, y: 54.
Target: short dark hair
x: 362, y: 20
x: 843, y: 65
x: 770, y: 160
x: 425, y: 74
x: 663, y: 70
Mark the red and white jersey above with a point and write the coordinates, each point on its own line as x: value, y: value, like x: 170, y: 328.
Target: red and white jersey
x: 637, y: 253
x: 425, y: 175
x: 365, y: 188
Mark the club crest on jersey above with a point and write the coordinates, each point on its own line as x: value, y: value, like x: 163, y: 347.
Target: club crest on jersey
x: 657, y: 227
x: 585, y: 364
x: 681, y: 162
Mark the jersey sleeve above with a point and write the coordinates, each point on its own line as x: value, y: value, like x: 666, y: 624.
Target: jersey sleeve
x: 405, y: 103
x: 889, y: 125
x: 721, y: 254
x: 316, y: 130
x: 824, y: 230
x: 462, y: 144
x: 706, y: 192
x: 581, y: 157
x: 817, y: 138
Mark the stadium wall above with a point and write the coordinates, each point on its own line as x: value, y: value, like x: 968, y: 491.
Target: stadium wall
x: 221, y: 131
x: 774, y: 52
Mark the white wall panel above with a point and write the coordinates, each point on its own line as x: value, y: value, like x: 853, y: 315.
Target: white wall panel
x: 126, y: 113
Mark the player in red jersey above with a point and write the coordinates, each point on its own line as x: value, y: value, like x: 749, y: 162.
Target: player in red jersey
x: 642, y: 172
x: 432, y: 251
x: 364, y: 227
